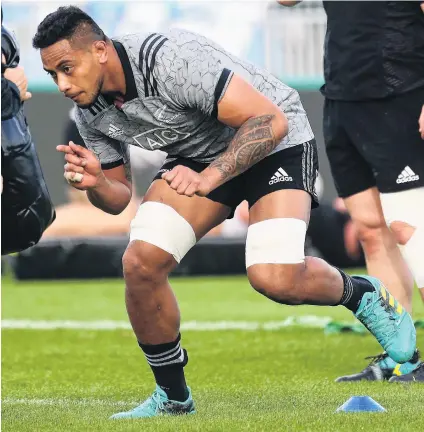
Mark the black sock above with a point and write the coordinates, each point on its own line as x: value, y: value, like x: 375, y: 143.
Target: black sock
x: 354, y: 287
x: 167, y: 362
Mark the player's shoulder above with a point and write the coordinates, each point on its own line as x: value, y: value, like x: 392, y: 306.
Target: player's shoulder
x: 145, y: 45
x: 142, y: 44
x: 84, y: 116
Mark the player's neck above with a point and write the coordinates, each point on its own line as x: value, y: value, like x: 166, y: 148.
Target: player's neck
x: 114, y: 82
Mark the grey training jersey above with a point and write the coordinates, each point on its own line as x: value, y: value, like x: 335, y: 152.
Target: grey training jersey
x: 174, y: 82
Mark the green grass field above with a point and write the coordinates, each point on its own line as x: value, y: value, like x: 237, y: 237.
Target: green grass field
x: 260, y: 380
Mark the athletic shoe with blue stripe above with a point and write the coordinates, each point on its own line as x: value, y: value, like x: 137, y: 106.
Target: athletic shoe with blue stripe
x: 388, y: 321
x: 158, y: 404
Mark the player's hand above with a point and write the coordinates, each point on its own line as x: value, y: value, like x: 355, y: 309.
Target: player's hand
x: 187, y: 182
x: 17, y: 76
x: 82, y: 169
x: 421, y: 123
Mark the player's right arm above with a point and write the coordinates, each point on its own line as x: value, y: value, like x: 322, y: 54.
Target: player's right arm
x: 102, y: 168
x: 108, y: 190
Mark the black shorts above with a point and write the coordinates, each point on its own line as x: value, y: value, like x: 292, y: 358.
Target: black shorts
x: 375, y: 143
x: 292, y: 168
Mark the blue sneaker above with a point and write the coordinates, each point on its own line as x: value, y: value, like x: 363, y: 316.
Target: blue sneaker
x: 388, y: 322
x: 158, y: 404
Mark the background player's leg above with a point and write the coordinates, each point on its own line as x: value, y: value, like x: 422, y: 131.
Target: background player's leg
x: 165, y: 228
x: 385, y: 135
x: 383, y: 257
x: 404, y: 213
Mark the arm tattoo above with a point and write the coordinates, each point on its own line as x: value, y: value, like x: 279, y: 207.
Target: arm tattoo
x: 253, y: 141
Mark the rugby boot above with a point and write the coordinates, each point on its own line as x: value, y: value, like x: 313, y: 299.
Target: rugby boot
x: 388, y: 322
x: 382, y: 368
x: 417, y: 375
x: 158, y: 404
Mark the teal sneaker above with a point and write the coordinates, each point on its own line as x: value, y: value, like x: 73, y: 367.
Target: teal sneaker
x: 382, y: 368
x: 158, y: 404
x: 388, y: 321
x: 406, y: 370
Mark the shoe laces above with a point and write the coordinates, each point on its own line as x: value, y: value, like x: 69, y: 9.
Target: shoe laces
x: 154, y: 401
x: 375, y: 359
x: 386, y: 326
x: 158, y: 400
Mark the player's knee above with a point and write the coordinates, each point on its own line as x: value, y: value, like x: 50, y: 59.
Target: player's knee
x: 371, y: 234
x: 145, y: 265
x: 274, y: 256
x: 162, y: 226
x: 278, y: 283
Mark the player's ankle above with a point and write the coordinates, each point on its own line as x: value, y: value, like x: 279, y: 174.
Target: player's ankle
x: 167, y: 362
x: 354, y: 288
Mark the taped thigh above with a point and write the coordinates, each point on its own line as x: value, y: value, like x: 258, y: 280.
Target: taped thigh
x: 276, y: 241
x: 162, y: 226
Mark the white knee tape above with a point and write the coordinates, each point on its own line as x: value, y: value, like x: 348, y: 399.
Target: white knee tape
x: 413, y: 253
x: 408, y: 206
x: 405, y: 206
x: 276, y: 241
x: 161, y: 226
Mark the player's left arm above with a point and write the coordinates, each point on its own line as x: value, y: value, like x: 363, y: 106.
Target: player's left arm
x: 261, y: 127
x: 199, y: 75
x: 421, y: 122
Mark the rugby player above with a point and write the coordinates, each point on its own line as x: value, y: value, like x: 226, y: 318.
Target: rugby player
x: 232, y: 132
x: 374, y: 94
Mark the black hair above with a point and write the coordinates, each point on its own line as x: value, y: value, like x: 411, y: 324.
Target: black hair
x: 66, y: 23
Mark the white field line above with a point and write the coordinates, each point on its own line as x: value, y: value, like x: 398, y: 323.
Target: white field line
x: 65, y: 402
x: 310, y: 321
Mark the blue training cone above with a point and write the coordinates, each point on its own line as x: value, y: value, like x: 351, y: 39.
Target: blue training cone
x: 360, y: 404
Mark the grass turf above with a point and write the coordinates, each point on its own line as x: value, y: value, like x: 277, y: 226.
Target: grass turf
x: 72, y: 380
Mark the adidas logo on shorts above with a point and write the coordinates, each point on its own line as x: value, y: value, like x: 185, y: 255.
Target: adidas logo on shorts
x: 114, y: 131
x: 407, y: 175
x: 280, y: 176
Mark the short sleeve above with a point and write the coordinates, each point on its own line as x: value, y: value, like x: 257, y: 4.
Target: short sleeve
x: 111, y: 153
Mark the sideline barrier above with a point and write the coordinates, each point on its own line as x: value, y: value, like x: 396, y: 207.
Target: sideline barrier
x: 93, y: 258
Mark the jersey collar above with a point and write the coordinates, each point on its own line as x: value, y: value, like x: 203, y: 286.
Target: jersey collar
x: 131, y: 89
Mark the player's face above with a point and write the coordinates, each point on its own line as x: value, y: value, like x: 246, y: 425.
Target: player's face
x: 78, y: 73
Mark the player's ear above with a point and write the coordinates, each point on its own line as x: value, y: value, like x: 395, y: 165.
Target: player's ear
x: 100, y: 50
